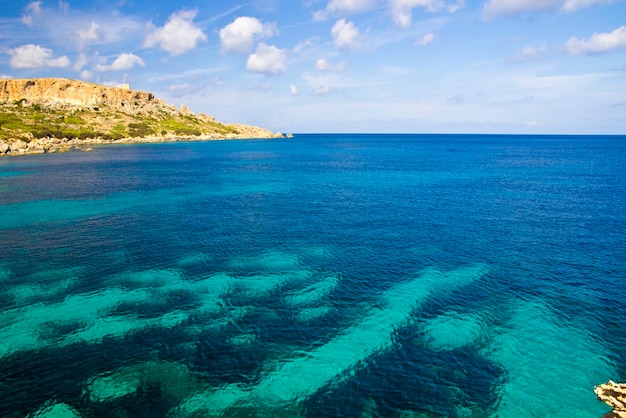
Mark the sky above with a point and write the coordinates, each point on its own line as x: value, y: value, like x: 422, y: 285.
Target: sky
x: 380, y: 66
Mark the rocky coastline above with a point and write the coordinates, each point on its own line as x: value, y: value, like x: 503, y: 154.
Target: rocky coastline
x: 614, y: 395
x: 48, y: 115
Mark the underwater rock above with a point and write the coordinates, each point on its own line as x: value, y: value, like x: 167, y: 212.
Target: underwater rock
x: 614, y: 395
x: 452, y: 330
x: 313, y: 293
x: 292, y: 381
x: 536, y: 338
x: 57, y: 410
x: 174, y: 379
x: 310, y: 314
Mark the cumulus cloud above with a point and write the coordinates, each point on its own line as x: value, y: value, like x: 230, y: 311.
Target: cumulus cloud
x: 322, y: 64
x: 497, y: 8
x: 335, y: 7
x: 178, y: 35
x: 35, y: 56
x: 426, y: 39
x: 86, y: 75
x: 530, y: 53
x: 597, y: 43
x: 294, y: 90
x: 93, y: 33
x: 122, y: 62
x: 402, y: 10
x: 267, y: 59
x: 344, y: 34
x: 32, y: 9
x: 241, y: 34
x: 80, y: 62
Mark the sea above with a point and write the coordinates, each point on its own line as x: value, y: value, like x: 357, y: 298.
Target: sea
x: 324, y: 275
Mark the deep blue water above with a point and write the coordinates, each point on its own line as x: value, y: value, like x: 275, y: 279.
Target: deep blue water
x: 324, y: 275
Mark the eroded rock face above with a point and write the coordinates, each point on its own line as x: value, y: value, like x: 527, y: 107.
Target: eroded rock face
x: 63, y: 92
x: 614, y: 395
x: 41, y: 112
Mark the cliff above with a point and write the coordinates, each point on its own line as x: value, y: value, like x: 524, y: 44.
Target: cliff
x: 59, y: 91
x: 54, y: 114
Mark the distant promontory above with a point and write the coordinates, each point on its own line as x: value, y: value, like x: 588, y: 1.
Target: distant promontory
x: 40, y: 115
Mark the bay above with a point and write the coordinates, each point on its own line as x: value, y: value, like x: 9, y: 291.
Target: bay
x: 324, y: 275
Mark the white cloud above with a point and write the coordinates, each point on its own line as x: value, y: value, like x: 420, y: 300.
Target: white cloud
x: 496, y: 8
x: 426, y: 39
x: 574, y: 5
x: 35, y: 56
x: 530, y: 53
x: 335, y: 7
x: 322, y: 90
x: 402, y: 10
x: 60, y: 62
x: 304, y: 45
x: 178, y: 35
x: 113, y: 83
x: 322, y: 64
x: 122, y: 62
x: 267, y: 59
x: 294, y: 90
x: 93, y: 33
x: 241, y: 34
x: 597, y: 43
x: 34, y: 9
x: 80, y: 62
x: 64, y: 7
x: 344, y: 34
x: 453, y: 8
x: 86, y: 75
x: 350, y: 6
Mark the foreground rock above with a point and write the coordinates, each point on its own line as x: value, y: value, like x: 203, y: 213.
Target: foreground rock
x: 614, y: 395
x: 43, y: 115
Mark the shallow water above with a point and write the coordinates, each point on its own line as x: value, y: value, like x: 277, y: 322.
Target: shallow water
x: 324, y: 275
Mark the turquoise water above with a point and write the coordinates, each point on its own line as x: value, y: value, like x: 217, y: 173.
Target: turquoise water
x: 324, y: 275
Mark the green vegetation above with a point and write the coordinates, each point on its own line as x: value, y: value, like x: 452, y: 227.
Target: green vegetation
x: 119, y: 131
x: 179, y: 127
x: 21, y: 120
x: 139, y: 129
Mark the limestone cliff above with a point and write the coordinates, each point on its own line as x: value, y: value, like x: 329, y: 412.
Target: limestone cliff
x: 54, y: 114
x: 60, y: 91
x: 614, y: 395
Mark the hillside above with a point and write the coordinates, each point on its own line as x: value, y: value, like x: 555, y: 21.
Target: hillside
x: 54, y: 114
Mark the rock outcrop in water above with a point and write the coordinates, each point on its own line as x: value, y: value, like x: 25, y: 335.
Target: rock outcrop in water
x: 614, y: 395
x: 43, y: 115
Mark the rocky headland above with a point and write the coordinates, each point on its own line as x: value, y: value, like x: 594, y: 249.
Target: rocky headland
x: 43, y: 115
x: 614, y: 395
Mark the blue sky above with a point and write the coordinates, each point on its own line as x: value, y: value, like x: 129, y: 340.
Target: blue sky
x: 447, y: 66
